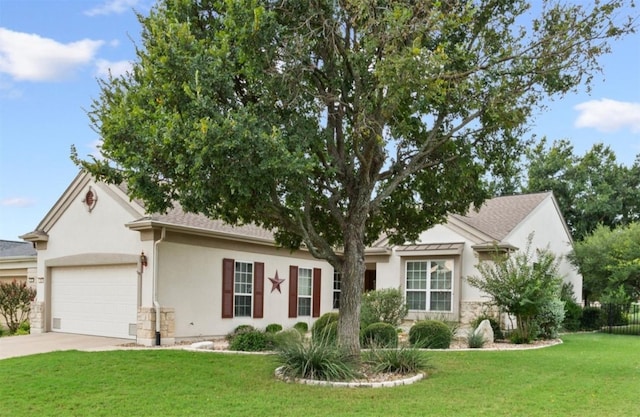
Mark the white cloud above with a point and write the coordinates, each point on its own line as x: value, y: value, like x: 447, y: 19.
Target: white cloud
x: 30, y: 57
x: 117, y: 68
x: 17, y: 202
x: 95, y: 149
x: 607, y: 115
x: 112, y: 7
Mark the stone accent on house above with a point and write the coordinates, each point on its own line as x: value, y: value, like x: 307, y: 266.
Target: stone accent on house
x: 37, y: 317
x: 146, y: 334
x: 470, y: 310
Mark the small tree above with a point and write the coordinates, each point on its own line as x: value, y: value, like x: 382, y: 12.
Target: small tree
x: 15, y: 303
x: 520, y: 284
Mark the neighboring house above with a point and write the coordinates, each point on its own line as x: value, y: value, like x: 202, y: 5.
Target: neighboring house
x: 17, y: 263
x: 105, y: 267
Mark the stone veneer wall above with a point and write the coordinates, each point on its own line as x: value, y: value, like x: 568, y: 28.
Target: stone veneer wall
x: 36, y: 317
x: 146, y: 334
x: 470, y: 310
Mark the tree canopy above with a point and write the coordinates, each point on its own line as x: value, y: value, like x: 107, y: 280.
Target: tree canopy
x: 591, y: 189
x: 334, y: 121
x: 609, y: 261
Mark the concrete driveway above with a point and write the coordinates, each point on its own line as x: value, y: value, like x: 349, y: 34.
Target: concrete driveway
x: 12, y: 346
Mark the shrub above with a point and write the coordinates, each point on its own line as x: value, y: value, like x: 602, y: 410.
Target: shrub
x: 591, y: 318
x: 251, y: 341
x: 401, y: 361
x: 273, y: 328
x: 519, y: 337
x: 431, y: 334
x: 549, y: 318
x: 385, y: 305
x: 301, y: 327
x: 380, y: 335
x: 495, y: 325
x: 316, y: 360
x: 15, y: 303
x: 325, y: 328
x: 285, y: 337
x: 572, y: 310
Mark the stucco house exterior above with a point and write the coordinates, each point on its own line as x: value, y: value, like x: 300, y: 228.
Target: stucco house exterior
x: 106, y: 267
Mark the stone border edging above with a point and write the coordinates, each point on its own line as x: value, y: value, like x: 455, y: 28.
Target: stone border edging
x: 336, y: 384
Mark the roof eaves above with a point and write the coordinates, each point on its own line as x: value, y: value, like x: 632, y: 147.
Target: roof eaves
x: 149, y: 224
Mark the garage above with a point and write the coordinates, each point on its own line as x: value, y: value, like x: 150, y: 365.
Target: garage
x: 95, y: 300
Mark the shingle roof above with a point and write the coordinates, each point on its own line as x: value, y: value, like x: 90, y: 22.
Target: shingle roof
x: 498, y: 216
x: 177, y: 216
x: 9, y: 249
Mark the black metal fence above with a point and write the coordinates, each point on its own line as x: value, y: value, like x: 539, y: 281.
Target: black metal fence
x: 612, y: 318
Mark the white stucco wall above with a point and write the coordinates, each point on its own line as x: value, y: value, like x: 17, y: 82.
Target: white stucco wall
x: 78, y: 236
x: 190, y: 280
x: 549, y: 232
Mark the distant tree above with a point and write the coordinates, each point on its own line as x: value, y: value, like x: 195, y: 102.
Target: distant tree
x: 591, y: 189
x: 332, y: 122
x: 15, y: 303
x: 609, y: 261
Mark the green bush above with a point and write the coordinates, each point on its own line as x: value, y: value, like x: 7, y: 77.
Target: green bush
x: 401, y: 361
x: 572, y: 310
x: 430, y: 334
x: 381, y: 335
x: 316, y: 360
x: 495, y: 325
x: 549, y: 318
x: 273, y: 328
x: 325, y: 328
x: 301, y: 327
x: 592, y: 318
x: 386, y: 305
x: 15, y: 303
x: 251, y: 341
x: 286, y: 337
x: 520, y: 337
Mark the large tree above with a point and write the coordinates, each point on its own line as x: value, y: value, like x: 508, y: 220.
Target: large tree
x: 334, y: 121
x: 591, y: 189
x: 609, y: 261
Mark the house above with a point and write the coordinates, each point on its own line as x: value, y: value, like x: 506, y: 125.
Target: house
x: 106, y: 267
x: 17, y: 263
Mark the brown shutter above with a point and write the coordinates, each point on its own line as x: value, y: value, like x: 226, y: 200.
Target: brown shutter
x: 316, y: 291
x: 258, y: 290
x: 293, y: 291
x: 228, y: 266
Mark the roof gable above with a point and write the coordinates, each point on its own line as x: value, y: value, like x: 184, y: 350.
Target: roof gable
x: 499, y: 216
x: 79, y: 183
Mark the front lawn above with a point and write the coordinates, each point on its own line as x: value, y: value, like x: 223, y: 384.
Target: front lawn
x: 588, y: 375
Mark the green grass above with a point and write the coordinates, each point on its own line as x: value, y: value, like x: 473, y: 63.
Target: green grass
x: 589, y: 375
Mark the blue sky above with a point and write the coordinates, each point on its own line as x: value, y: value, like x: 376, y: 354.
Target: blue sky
x: 53, y: 51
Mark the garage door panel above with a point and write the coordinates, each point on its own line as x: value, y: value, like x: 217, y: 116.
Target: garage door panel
x: 97, y: 300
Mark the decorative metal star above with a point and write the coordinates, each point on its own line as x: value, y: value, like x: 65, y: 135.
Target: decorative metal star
x: 275, y: 283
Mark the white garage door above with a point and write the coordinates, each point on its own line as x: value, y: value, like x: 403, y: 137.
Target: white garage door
x: 95, y: 300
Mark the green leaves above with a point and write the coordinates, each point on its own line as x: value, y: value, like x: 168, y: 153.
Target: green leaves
x: 609, y: 261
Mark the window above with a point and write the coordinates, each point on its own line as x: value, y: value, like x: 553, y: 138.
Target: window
x: 243, y: 289
x: 336, y: 289
x: 304, y: 291
x: 429, y: 285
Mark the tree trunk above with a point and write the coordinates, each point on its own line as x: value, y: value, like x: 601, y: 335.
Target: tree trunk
x: 352, y: 279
